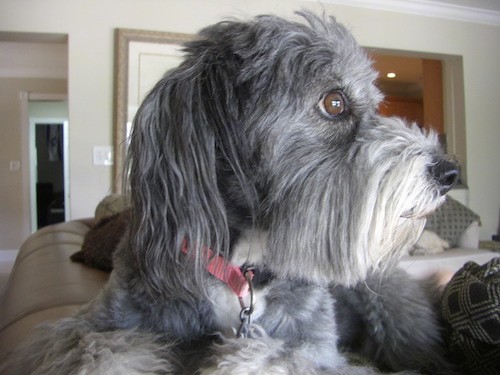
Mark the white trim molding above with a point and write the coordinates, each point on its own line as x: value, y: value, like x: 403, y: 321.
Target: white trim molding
x: 427, y: 8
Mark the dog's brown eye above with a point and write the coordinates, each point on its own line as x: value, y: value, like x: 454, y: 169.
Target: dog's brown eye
x: 333, y: 104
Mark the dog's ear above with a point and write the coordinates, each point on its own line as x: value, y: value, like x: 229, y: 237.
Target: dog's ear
x: 183, y: 141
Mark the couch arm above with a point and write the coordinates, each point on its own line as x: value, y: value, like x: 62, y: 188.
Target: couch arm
x: 45, y: 284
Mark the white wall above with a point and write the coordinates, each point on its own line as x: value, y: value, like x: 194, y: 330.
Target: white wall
x: 90, y: 26
x: 33, y: 60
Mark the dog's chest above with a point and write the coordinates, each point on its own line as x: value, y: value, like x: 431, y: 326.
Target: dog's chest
x: 227, y: 306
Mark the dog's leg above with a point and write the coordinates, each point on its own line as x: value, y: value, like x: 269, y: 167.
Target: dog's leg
x: 397, y: 326
x: 296, y: 334
x: 261, y: 354
x: 71, y: 346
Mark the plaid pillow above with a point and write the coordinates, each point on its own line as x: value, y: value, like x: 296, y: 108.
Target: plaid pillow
x: 471, y: 311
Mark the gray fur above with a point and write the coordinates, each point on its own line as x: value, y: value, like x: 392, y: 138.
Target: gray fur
x: 234, y: 140
x: 391, y: 320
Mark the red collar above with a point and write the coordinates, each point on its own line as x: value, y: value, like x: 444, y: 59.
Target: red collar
x: 230, y: 275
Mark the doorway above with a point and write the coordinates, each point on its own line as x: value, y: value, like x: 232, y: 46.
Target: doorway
x: 427, y: 89
x: 49, y: 186
x: 34, y: 69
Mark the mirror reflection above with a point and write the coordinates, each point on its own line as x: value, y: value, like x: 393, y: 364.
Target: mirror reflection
x: 426, y: 89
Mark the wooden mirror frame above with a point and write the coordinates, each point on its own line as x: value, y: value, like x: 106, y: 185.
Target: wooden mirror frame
x: 123, y: 38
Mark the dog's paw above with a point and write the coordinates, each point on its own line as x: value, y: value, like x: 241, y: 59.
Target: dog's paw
x: 256, y: 354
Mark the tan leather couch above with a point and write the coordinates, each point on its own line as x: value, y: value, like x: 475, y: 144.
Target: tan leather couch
x: 45, y: 284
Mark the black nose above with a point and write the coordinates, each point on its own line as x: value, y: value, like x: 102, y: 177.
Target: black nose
x: 445, y: 174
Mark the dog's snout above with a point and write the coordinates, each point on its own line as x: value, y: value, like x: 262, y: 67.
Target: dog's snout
x: 445, y: 173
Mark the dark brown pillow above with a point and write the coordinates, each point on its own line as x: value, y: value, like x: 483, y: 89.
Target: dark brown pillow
x: 101, y: 240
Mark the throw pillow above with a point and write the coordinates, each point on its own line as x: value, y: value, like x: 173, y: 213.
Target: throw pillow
x: 101, y: 241
x: 471, y: 311
x: 111, y: 205
x: 451, y: 220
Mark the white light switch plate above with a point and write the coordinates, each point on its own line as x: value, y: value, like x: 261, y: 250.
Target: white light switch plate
x: 14, y: 165
x: 103, y: 155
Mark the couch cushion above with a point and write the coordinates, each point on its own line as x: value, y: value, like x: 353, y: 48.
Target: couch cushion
x: 452, y: 260
x: 44, y: 282
x: 13, y: 334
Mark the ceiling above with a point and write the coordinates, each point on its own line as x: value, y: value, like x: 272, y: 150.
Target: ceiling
x: 408, y: 70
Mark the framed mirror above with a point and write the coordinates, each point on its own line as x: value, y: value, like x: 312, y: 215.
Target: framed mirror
x: 141, y: 58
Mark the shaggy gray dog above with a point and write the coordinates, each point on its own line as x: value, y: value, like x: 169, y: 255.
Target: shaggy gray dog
x: 270, y: 203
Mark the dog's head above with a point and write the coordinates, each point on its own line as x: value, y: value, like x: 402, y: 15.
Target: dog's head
x: 273, y: 124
